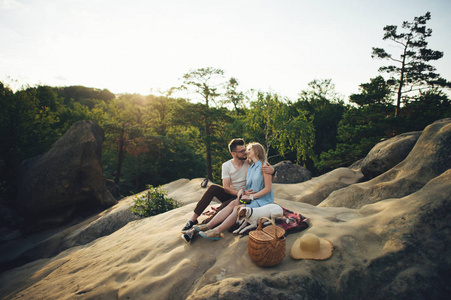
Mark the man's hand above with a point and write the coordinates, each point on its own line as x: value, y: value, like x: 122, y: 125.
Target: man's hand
x: 268, y: 169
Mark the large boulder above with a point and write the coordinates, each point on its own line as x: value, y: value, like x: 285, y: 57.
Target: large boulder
x: 387, y: 154
x: 66, y: 179
x: 287, y: 172
x: 430, y: 157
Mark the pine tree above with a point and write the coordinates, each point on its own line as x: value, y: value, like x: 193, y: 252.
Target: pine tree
x: 411, y: 72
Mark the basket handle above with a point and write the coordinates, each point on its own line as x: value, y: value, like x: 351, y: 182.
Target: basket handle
x: 260, y: 226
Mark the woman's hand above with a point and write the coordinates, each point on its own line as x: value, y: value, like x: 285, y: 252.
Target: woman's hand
x: 249, y: 192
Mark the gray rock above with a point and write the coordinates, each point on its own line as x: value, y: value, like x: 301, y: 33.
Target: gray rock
x: 113, y: 188
x: 287, y: 172
x: 387, y: 154
x: 67, y: 178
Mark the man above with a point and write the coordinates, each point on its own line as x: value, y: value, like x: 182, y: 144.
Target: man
x: 233, y: 179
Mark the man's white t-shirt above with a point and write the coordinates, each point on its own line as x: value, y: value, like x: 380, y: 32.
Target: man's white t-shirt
x: 237, y: 177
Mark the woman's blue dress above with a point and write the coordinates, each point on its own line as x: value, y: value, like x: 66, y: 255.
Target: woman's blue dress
x: 256, y: 182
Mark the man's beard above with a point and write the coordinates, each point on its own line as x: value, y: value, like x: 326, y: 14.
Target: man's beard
x: 242, y: 158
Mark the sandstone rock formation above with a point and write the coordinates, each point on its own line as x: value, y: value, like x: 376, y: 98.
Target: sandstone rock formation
x: 388, y: 154
x: 315, y: 190
x: 391, y: 241
x: 287, y: 172
x: 68, y: 177
x: 430, y: 157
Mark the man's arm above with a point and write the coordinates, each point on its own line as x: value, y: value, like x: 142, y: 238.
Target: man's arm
x: 228, y: 187
x: 268, y: 169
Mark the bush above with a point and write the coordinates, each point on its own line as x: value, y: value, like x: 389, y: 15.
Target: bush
x: 152, y: 203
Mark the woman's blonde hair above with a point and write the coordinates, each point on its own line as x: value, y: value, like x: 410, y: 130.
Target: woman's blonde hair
x: 258, y: 150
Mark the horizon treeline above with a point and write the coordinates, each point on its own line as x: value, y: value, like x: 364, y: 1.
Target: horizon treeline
x: 158, y: 139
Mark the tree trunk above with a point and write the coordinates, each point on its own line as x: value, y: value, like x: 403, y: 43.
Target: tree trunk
x: 120, y: 156
x: 208, y: 150
x: 401, y: 81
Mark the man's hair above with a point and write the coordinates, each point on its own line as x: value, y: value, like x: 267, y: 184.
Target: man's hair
x: 234, y: 143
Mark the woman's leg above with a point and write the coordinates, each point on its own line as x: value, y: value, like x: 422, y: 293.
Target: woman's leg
x: 229, y: 221
x: 223, y: 214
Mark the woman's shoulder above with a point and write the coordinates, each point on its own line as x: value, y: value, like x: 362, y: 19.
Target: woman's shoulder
x: 258, y: 164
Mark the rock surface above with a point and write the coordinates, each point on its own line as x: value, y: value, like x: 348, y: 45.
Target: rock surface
x: 67, y: 178
x: 317, y: 189
x: 287, y: 172
x: 430, y: 157
x: 390, y: 243
x: 388, y: 154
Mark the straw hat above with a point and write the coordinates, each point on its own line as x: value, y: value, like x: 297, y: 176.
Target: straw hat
x: 309, y: 246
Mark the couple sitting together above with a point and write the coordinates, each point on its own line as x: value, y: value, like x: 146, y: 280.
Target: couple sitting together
x: 247, y: 176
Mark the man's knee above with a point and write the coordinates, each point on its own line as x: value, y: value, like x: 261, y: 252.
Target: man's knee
x: 214, y: 187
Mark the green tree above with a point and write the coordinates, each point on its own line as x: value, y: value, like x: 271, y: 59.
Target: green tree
x: 235, y: 97
x: 358, y: 131
x: 411, y: 71
x: 431, y: 105
x: 325, y: 107
x: 145, y: 144
x: 277, y: 126
x: 174, y: 153
x: 124, y: 129
x: 205, y: 82
x: 360, y: 128
x: 28, y: 127
x: 83, y: 95
x: 377, y: 91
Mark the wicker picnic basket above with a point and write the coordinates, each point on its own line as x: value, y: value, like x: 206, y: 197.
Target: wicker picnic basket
x: 267, y: 246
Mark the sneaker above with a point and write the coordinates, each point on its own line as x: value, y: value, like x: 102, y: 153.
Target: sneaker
x: 211, y: 235
x: 189, y: 225
x: 201, y: 227
x: 188, y: 236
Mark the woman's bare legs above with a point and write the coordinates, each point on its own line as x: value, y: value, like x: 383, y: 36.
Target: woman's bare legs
x: 229, y: 221
x: 223, y: 214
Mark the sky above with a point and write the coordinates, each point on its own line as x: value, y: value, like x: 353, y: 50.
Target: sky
x: 146, y: 46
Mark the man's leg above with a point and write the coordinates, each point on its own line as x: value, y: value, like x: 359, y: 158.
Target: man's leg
x: 213, y: 190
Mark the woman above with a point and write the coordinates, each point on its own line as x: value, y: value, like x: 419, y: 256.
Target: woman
x: 258, y: 189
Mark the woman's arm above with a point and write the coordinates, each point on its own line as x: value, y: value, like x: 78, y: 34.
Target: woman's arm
x: 268, y: 180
